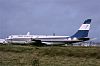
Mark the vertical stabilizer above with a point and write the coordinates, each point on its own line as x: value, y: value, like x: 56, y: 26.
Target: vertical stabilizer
x: 28, y: 33
x: 83, y: 30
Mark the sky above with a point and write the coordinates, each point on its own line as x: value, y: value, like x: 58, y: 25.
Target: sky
x: 62, y: 17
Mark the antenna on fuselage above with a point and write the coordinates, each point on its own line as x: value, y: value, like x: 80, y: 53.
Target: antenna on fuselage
x: 54, y: 34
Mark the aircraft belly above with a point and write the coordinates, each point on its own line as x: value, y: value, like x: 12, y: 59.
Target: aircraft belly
x: 59, y: 40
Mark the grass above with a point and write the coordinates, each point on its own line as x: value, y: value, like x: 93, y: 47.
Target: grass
x: 17, y: 55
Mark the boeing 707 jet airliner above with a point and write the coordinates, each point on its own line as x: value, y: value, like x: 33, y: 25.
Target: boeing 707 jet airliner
x: 80, y: 36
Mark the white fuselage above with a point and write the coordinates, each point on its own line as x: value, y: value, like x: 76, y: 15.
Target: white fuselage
x: 43, y: 38
x: 2, y: 41
x: 47, y: 39
x: 79, y: 36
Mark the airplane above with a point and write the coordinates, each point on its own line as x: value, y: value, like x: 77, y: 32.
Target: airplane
x: 80, y: 36
x: 2, y: 41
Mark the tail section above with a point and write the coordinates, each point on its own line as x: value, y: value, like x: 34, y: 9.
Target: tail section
x: 83, y: 30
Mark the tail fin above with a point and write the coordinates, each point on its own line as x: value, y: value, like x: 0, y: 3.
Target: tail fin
x: 83, y: 30
x: 28, y: 33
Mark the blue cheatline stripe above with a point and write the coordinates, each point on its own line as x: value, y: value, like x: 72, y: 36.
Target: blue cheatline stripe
x: 88, y: 21
x: 81, y: 33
